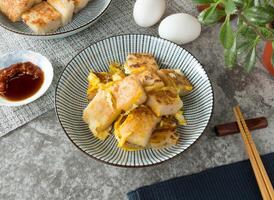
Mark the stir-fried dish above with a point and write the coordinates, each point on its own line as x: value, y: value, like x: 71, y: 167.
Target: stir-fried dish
x: 140, y: 101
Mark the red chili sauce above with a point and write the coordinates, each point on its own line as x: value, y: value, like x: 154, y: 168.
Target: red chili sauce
x: 20, y: 81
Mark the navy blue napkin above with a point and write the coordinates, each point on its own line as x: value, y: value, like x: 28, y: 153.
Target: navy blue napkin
x: 233, y: 181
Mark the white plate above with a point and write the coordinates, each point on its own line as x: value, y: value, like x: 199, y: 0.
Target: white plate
x: 23, y: 56
x: 70, y: 99
x: 82, y: 20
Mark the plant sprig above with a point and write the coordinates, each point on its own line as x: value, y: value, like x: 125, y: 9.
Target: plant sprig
x: 251, y: 28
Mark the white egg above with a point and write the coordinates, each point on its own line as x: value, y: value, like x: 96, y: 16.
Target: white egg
x: 146, y: 13
x: 180, y: 28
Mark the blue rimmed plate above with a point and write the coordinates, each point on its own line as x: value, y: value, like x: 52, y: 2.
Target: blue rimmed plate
x: 71, y: 99
x: 82, y: 20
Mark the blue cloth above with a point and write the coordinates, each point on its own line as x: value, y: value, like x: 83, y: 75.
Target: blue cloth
x: 233, y: 181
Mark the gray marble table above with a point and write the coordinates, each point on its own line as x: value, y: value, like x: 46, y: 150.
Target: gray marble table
x: 37, y: 161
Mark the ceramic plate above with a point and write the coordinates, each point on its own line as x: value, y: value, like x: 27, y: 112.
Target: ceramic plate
x: 82, y: 20
x: 9, y: 59
x: 71, y: 99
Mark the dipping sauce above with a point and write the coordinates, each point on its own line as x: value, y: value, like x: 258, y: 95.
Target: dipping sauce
x: 20, y: 81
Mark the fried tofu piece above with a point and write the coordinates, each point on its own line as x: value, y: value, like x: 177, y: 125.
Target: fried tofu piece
x: 100, y: 114
x: 164, y: 101
x: 130, y: 93
x: 137, y: 127
x: 167, y: 123
x: 176, y: 79
x: 65, y: 8
x: 162, y: 138
x: 150, y: 80
x: 137, y: 62
x: 164, y: 134
x: 42, y: 18
x: 79, y: 5
x: 14, y: 9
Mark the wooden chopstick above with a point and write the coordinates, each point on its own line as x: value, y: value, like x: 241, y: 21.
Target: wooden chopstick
x: 255, y: 159
x: 257, y: 155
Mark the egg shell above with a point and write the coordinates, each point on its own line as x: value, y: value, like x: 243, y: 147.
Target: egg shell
x: 180, y: 28
x: 146, y: 13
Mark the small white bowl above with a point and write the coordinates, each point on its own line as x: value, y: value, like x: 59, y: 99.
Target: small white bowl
x: 24, y: 56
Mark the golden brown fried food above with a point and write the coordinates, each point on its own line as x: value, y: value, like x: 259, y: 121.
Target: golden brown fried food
x: 42, y: 18
x: 100, y: 114
x: 165, y: 133
x: 14, y: 9
x: 150, y: 80
x: 174, y: 78
x: 164, y: 101
x: 65, y: 8
x: 137, y: 127
x: 79, y: 5
x: 137, y: 62
x: 130, y: 93
x: 148, y: 99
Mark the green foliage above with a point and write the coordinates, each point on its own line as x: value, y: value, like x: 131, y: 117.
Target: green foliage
x: 252, y: 27
x: 211, y: 15
x: 239, y: 3
x: 204, y: 1
x: 226, y: 34
x: 259, y: 15
x: 231, y: 55
x: 230, y: 7
x: 267, y: 33
x: 250, y: 59
x: 245, y: 40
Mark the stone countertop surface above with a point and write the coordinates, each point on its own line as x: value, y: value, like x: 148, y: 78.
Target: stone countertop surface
x: 39, y: 162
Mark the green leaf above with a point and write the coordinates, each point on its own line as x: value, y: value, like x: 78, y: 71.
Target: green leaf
x: 206, y: 14
x: 244, y: 47
x: 240, y: 23
x: 226, y: 34
x: 266, y: 2
x: 268, y: 7
x: 242, y: 4
x: 256, y: 2
x: 203, y: 1
x: 259, y: 15
x: 231, y: 55
x: 245, y: 39
x: 248, y: 3
x: 250, y: 59
x: 239, y: 3
x: 267, y: 33
x: 251, y: 3
x: 208, y: 17
x: 247, y: 33
x: 230, y: 7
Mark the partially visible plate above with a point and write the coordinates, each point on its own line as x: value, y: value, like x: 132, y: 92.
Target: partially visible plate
x: 70, y: 99
x: 82, y: 20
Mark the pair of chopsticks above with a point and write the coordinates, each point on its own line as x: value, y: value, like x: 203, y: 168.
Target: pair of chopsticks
x: 254, y: 157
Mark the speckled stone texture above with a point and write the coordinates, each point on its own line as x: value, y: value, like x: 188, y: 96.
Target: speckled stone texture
x: 39, y: 162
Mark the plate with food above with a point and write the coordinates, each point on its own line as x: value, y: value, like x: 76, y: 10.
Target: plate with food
x: 134, y: 100
x: 50, y: 19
